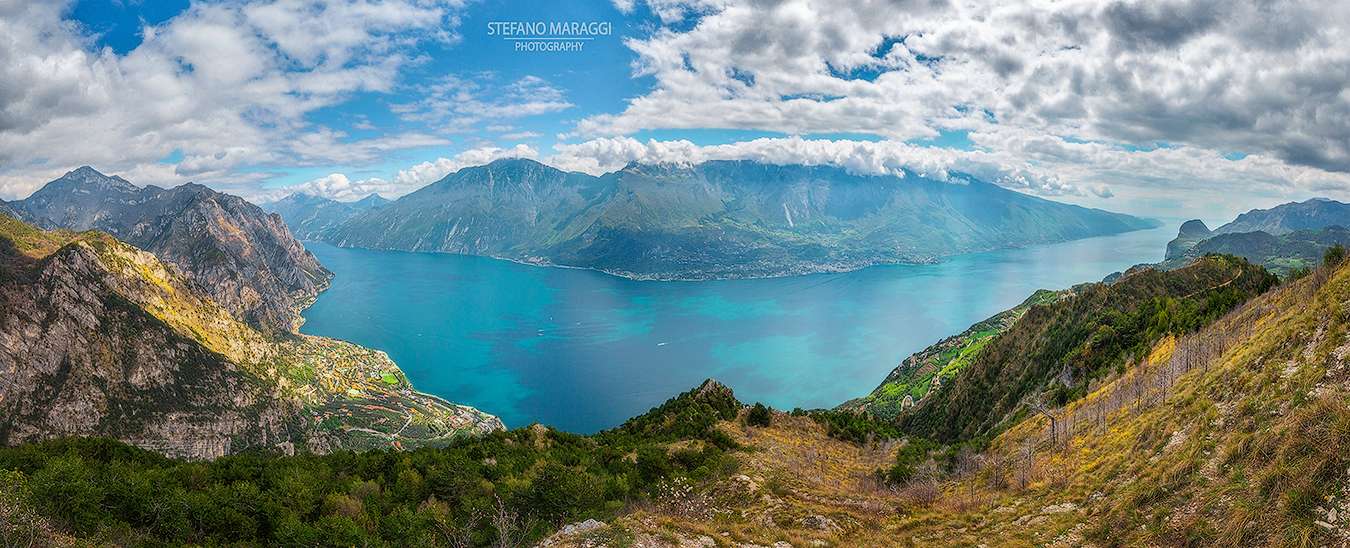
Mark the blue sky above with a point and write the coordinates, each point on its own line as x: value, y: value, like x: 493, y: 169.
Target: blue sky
x: 1143, y: 107
x: 473, y: 55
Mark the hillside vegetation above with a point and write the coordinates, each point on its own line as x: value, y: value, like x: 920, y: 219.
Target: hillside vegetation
x: 1064, y: 346
x: 503, y: 489
x: 1238, y: 434
x: 927, y: 370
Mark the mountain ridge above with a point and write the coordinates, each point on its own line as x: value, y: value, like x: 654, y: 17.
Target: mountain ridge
x: 1313, y: 213
x: 245, y: 258
x: 100, y: 338
x: 1284, y: 238
x: 308, y: 215
x: 715, y: 220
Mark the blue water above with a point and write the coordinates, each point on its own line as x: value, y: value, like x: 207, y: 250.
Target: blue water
x: 582, y: 351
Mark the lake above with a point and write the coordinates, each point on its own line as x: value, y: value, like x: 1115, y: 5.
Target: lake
x: 582, y: 351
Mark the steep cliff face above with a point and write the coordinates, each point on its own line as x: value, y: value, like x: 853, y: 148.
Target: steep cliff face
x: 242, y: 257
x: 79, y: 358
x: 100, y: 338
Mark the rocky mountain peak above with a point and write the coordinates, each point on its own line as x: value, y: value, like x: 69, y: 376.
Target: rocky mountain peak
x: 1193, y: 227
x: 373, y: 200
x: 1191, y: 233
x: 711, y: 389
x: 244, y: 258
x: 104, y: 339
x: 87, y: 176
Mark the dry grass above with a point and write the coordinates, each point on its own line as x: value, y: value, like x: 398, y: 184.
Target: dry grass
x: 1238, y: 435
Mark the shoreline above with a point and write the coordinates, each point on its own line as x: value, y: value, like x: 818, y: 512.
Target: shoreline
x: 626, y: 275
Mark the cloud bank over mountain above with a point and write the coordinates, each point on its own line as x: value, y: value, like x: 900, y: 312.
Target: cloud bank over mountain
x: 1128, y: 104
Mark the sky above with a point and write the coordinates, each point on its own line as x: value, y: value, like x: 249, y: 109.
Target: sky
x: 1164, y: 108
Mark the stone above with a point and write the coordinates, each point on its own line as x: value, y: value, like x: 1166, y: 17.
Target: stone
x: 1059, y: 508
x: 819, y: 523
x: 581, y: 527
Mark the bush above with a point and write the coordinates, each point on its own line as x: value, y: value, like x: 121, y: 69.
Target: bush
x: 909, y: 460
x: 759, y: 415
x: 1334, y: 255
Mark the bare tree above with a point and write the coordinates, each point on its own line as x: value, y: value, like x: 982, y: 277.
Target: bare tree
x: 20, y: 525
x: 1038, y: 405
x: 512, y: 530
x: 1026, y: 461
x: 922, y: 489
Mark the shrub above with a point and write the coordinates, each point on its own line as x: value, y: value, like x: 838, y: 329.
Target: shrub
x: 1334, y: 255
x: 759, y: 415
x: 908, y: 461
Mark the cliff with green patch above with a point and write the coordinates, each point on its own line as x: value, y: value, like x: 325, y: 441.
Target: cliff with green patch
x: 929, y: 369
x: 1065, y: 346
x: 98, y: 338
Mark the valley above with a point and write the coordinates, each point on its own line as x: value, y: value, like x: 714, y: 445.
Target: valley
x: 582, y: 351
x: 674, y: 274
x: 1083, y: 413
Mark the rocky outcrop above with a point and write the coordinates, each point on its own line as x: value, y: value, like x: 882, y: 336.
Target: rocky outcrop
x: 98, y: 338
x: 242, y: 257
x: 1191, y: 233
x: 80, y: 358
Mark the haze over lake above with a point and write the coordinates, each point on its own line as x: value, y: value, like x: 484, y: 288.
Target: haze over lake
x: 582, y: 351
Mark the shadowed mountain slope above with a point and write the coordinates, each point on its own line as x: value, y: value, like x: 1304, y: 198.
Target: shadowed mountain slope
x: 721, y: 219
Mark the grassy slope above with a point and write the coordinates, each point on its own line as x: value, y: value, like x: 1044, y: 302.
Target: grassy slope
x: 1237, y: 434
x: 1247, y: 447
x: 1070, y: 344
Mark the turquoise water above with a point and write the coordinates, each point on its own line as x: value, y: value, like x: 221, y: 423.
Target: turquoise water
x: 582, y: 351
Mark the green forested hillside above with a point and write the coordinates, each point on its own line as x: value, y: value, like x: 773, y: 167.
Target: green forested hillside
x: 504, y: 489
x: 1065, y: 345
x: 927, y: 370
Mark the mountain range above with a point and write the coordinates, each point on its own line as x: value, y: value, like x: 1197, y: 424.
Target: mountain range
x: 1285, y: 218
x: 309, y: 216
x: 1283, y: 238
x: 1202, y: 402
x: 245, y: 259
x: 720, y: 219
